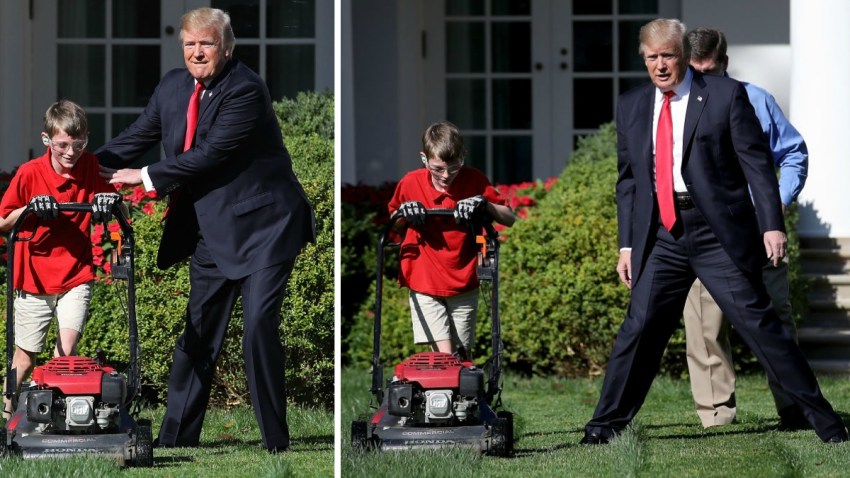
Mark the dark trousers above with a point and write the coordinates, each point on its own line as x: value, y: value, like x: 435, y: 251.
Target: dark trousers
x: 211, y: 301
x: 656, y: 305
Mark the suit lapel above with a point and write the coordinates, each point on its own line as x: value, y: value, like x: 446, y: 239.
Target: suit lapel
x: 697, y: 99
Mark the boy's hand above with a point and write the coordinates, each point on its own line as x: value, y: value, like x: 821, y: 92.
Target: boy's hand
x: 44, y: 206
x: 413, y: 212
x: 102, y: 206
x: 470, y: 210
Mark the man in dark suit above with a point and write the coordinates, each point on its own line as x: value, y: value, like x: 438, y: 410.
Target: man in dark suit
x: 236, y: 208
x: 695, y: 218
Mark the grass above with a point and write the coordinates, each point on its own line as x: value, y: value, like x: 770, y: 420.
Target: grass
x: 230, y: 447
x: 665, y: 440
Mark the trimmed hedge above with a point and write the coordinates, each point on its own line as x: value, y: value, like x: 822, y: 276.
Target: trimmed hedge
x: 307, y: 327
x: 561, y: 300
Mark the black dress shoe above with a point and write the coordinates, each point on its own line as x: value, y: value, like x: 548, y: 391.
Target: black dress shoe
x: 838, y: 437
x: 594, y: 439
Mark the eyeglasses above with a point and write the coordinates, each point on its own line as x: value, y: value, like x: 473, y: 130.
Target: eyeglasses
x: 440, y: 170
x: 205, y: 45
x: 61, y: 147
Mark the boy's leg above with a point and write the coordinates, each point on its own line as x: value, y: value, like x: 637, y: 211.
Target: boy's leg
x: 430, y: 322
x: 463, y: 312
x: 22, y: 363
x: 71, y: 309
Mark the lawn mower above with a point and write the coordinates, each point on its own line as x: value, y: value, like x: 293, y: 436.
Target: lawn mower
x: 75, y: 405
x: 435, y: 399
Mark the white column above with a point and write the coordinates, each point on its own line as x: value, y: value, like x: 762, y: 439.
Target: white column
x: 820, y: 109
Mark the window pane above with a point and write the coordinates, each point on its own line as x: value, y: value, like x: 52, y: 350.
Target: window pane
x: 594, y: 102
x: 97, y: 130
x: 464, y: 7
x: 511, y: 159
x: 511, y: 7
x: 638, y: 6
x: 512, y: 104
x: 594, y: 49
x: 244, y: 16
x: 119, y: 123
x: 133, y: 79
x: 627, y: 84
x: 291, y: 19
x: 249, y: 55
x: 464, y: 47
x: 592, y: 7
x: 476, y: 151
x: 630, y: 59
x: 511, y: 47
x: 82, y: 69
x: 81, y: 19
x: 290, y: 69
x: 135, y: 19
x: 466, y: 103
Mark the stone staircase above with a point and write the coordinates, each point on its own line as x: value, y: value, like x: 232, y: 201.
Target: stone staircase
x: 824, y: 333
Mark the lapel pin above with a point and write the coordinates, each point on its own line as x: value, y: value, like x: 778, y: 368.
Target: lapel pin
x: 699, y: 98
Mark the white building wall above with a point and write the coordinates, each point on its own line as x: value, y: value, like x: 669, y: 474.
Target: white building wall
x: 819, y: 108
x: 14, y: 84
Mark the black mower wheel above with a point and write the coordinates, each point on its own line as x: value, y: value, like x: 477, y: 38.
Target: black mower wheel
x: 509, y: 418
x: 359, y: 441
x: 500, y: 437
x: 144, y: 447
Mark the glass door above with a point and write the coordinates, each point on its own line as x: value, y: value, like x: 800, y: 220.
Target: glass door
x: 523, y: 79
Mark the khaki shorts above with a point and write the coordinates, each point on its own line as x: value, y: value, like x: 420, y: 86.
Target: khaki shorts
x: 34, y: 312
x: 444, y: 318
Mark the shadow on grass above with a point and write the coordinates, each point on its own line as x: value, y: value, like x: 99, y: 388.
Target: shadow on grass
x: 308, y: 443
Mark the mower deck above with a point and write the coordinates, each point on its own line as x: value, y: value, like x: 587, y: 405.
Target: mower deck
x: 129, y: 446
x: 492, y: 435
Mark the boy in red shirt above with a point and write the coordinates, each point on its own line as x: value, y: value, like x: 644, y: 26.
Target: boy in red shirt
x: 53, y: 272
x: 438, y: 256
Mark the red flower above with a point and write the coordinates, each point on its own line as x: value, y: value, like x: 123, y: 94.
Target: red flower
x: 114, y: 227
x: 148, y: 209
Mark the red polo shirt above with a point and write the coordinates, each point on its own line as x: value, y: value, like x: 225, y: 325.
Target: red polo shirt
x: 59, y: 256
x: 439, y: 257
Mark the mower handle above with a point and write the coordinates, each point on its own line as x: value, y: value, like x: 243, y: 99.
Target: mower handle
x: 492, y: 236
x: 127, y: 249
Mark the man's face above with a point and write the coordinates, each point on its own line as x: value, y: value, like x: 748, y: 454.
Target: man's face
x: 709, y: 66
x: 665, y: 64
x: 203, y: 53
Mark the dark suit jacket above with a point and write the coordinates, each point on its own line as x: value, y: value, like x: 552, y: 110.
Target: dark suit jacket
x: 724, y: 151
x: 236, y: 185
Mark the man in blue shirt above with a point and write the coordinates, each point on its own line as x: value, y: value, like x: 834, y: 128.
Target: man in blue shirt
x: 706, y: 329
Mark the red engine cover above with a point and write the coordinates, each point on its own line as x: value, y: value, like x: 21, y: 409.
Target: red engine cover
x: 71, y: 375
x: 431, y: 370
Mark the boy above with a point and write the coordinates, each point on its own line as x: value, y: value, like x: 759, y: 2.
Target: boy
x: 438, y: 256
x: 53, y: 272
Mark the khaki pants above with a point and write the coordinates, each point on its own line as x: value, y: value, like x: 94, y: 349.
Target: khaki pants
x: 709, y: 353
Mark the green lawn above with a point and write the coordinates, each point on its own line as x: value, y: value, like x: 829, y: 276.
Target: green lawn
x: 666, y: 439
x: 230, y: 447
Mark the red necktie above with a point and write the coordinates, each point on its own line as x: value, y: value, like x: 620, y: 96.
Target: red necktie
x: 192, y: 116
x: 664, y: 164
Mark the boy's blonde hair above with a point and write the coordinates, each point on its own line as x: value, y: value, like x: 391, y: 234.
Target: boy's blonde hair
x: 443, y: 140
x: 67, y: 116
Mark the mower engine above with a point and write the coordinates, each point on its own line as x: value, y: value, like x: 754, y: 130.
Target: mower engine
x: 435, y: 388
x: 75, y: 394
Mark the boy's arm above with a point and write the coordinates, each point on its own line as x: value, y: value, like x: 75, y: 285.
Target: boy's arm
x: 7, y: 222
x: 501, y: 214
